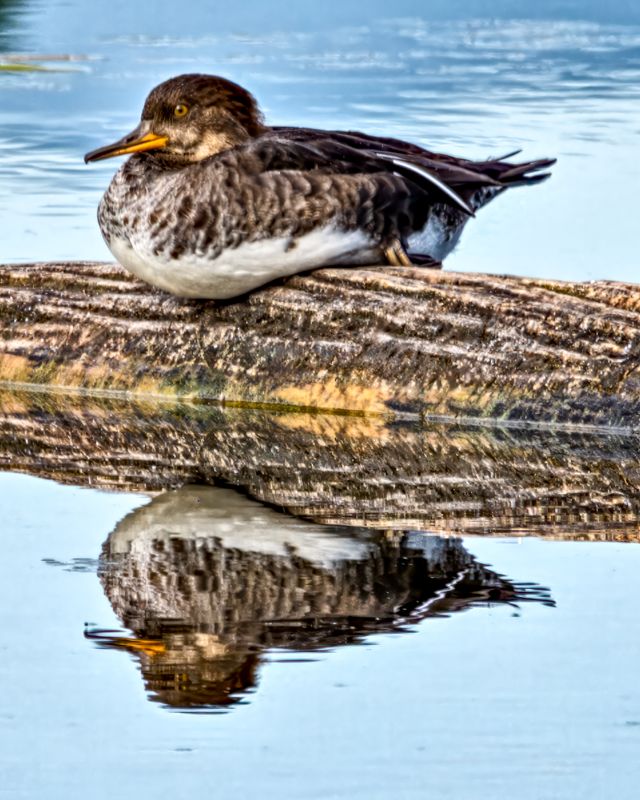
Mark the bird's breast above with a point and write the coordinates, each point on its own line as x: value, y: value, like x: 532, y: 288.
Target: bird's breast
x: 236, y: 270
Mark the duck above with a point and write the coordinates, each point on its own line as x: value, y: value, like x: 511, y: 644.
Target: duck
x: 213, y: 203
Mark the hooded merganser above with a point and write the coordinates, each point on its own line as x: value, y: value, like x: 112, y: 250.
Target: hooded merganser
x: 213, y: 203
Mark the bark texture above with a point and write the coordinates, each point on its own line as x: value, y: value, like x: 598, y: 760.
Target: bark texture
x: 359, y: 340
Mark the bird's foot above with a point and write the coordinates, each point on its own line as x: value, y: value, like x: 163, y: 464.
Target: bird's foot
x: 397, y: 256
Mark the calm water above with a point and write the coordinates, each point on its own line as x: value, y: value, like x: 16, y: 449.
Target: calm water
x: 555, y: 79
x: 193, y: 639
x: 198, y: 642
x: 531, y: 692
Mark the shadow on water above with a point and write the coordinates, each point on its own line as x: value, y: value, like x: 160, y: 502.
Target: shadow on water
x: 207, y: 581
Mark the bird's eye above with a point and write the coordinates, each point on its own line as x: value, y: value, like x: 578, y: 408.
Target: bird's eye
x: 181, y: 110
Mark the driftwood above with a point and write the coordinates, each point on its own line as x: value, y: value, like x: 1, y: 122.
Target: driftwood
x: 338, y: 469
x: 361, y: 340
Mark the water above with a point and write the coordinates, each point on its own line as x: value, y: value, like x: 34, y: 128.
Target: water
x: 536, y: 699
x: 554, y: 80
x: 204, y: 601
x: 168, y: 634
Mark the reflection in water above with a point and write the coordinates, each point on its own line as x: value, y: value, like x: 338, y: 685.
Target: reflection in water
x: 206, y: 580
x: 339, y: 469
x: 9, y: 10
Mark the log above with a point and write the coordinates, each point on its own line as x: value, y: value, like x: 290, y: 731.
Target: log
x: 338, y: 469
x: 386, y: 341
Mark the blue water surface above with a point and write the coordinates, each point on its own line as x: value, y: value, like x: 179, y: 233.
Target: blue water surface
x: 474, y: 79
x: 538, y: 701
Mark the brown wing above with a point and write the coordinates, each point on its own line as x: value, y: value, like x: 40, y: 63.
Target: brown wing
x: 300, y: 149
x: 384, y: 186
x: 462, y: 176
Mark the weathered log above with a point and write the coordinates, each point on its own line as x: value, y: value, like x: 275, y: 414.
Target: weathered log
x: 338, y: 469
x: 359, y: 340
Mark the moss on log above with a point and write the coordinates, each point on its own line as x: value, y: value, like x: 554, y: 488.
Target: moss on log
x: 355, y: 340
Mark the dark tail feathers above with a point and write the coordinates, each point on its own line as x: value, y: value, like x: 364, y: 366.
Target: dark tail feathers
x: 523, y: 174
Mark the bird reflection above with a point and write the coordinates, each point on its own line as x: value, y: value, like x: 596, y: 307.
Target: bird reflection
x: 206, y: 580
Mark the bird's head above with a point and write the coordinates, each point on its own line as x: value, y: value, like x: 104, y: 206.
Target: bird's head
x: 190, y: 118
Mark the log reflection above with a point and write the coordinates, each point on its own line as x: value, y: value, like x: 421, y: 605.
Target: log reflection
x: 206, y: 580
x: 336, y: 469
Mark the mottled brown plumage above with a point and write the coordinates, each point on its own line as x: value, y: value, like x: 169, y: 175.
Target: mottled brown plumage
x: 213, y: 202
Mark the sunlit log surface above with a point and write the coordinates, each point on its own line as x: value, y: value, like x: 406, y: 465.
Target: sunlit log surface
x: 338, y: 469
x: 365, y: 340
x: 205, y: 579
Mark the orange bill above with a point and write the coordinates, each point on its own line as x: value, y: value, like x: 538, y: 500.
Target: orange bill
x: 134, y: 142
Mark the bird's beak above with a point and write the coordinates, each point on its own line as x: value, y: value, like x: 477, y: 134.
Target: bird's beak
x: 135, y: 142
